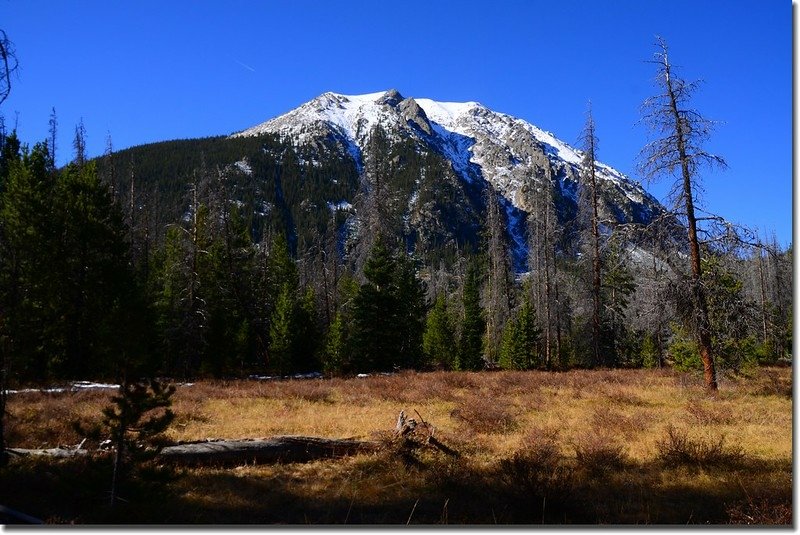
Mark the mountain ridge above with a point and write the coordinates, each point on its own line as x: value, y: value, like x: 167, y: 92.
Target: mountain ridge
x: 352, y: 114
x: 509, y: 154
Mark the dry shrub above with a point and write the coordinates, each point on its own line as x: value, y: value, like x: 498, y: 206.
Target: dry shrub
x: 527, y: 383
x: 597, y: 452
x: 45, y: 420
x: 773, y: 382
x: 623, y: 396
x: 613, y: 420
x: 404, y: 387
x: 537, y: 472
x: 706, y: 415
x: 485, y: 414
x: 312, y: 390
x: 677, y: 449
x: 465, y: 380
x: 421, y: 388
x: 761, y: 512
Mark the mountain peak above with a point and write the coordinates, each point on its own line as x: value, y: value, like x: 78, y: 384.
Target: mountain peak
x: 392, y: 98
x: 483, y: 146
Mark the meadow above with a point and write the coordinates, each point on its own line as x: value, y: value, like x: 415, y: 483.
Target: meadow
x: 585, y: 447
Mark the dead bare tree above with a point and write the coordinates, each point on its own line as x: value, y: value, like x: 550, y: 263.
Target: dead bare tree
x: 678, y: 151
x: 498, y: 292
x: 590, y: 197
x: 543, y: 235
x: 8, y: 65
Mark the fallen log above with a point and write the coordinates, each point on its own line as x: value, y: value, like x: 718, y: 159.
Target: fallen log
x: 61, y: 453
x: 286, y: 449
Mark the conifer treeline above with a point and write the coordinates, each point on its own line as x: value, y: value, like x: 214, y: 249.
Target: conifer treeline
x: 92, y: 285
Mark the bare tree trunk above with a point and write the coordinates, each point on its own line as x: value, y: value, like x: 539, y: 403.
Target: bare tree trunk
x: 498, y: 298
x: 701, y: 307
x: 684, y: 131
x: 590, y: 178
x: 542, y: 249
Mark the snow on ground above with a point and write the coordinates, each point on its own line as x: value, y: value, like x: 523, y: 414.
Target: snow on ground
x: 75, y: 387
x: 244, y: 167
x: 341, y: 205
x: 311, y: 375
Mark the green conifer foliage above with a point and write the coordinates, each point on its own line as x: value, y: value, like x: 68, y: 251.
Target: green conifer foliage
x: 470, y: 344
x: 282, y: 331
x: 335, y: 354
x: 138, y: 417
x: 518, y: 350
x: 438, y: 342
x: 74, y: 309
x: 388, y: 313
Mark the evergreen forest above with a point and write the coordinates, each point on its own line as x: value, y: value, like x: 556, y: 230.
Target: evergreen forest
x: 221, y: 257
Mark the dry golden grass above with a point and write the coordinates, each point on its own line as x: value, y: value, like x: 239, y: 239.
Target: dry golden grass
x: 612, y: 428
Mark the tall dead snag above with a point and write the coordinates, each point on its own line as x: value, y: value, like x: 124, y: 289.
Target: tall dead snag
x: 677, y: 151
x: 8, y: 64
x: 497, y: 295
x: 589, y: 142
x: 543, y: 236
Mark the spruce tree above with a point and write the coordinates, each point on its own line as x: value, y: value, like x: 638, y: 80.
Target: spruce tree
x: 438, y: 342
x: 282, y: 331
x: 410, y: 302
x: 375, y: 314
x: 306, y: 336
x: 94, y: 282
x: 336, y: 346
x: 518, y: 350
x: 473, y: 325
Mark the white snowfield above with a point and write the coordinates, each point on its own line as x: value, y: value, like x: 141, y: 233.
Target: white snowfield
x: 468, y: 134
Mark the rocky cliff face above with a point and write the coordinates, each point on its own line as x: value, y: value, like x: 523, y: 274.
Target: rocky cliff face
x: 480, y: 147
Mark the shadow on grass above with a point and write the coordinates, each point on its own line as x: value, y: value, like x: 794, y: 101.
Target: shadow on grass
x: 376, y: 489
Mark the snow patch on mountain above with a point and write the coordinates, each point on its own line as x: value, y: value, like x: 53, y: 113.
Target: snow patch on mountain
x: 480, y: 144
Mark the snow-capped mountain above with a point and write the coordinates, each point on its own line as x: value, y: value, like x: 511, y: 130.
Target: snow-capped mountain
x: 480, y: 144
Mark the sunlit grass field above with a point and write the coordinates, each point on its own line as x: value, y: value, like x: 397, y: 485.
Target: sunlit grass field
x: 576, y: 447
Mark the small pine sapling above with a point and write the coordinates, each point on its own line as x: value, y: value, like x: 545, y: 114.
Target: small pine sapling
x: 135, y: 429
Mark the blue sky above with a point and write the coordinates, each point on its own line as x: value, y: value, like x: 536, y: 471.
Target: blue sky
x: 148, y: 71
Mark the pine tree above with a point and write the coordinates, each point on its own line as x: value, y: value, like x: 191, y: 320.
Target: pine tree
x: 470, y: 344
x: 282, y: 331
x: 79, y: 144
x: 411, y: 310
x: 135, y: 430
x: 375, y: 319
x: 26, y: 238
x: 97, y: 296
x: 388, y: 313
x: 617, y: 287
x: 8, y: 65
x: 52, y: 132
x: 336, y: 346
x: 518, y: 350
x: 438, y: 342
x: 307, y: 333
